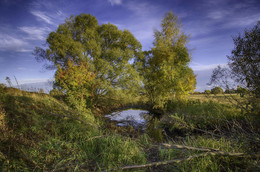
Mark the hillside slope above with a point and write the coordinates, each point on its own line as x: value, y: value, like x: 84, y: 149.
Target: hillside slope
x: 38, y: 132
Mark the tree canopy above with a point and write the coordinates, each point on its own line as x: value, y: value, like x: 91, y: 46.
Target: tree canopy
x: 104, y: 48
x: 244, y: 60
x: 243, y: 69
x: 217, y: 90
x: 165, y: 67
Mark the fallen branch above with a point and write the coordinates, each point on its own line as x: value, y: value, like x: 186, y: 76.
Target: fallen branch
x: 212, y: 151
x: 189, y: 147
x: 207, y: 132
x: 208, y: 151
x: 159, y: 163
x: 197, y: 129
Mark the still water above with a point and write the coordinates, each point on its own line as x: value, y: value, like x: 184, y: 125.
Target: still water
x: 139, y: 119
x: 134, y: 117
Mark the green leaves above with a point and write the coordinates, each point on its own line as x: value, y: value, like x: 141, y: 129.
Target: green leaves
x: 166, y: 72
x: 105, y: 49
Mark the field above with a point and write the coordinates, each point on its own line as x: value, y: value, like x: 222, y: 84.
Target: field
x: 41, y: 133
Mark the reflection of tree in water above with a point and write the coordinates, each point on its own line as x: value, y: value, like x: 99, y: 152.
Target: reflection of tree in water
x: 134, y: 118
x: 153, y: 130
x: 146, y: 116
x: 130, y: 120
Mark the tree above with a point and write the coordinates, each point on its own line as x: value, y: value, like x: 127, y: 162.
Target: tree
x: 243, y: 70
x: 217, y: 90
x: 165, y: 67
x: 105, y: 49
x: 242, y: 91
x: 230, y: 91
x: 207, y: 92
x: 41, y: 90
x: 76, y: 80
x: 8, y: 80
x: 244, y: 60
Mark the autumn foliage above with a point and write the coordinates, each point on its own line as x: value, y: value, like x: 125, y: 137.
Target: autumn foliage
x: 76, y: 80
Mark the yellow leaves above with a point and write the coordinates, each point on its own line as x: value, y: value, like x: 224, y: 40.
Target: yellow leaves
x: 74, y: 76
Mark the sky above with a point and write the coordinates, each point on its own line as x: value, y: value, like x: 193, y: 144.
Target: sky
x: 211, y: 24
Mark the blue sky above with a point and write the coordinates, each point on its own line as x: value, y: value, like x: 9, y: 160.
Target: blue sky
x: 25, y: 24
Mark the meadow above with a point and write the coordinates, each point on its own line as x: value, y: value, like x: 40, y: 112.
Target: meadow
x: 41, y: 133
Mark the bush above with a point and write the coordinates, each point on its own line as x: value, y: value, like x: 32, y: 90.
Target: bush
x: 217, y: 90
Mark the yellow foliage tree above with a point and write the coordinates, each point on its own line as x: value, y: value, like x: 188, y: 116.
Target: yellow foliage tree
x: 76, y: 80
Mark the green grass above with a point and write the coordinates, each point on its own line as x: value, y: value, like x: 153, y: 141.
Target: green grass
x: 206, y: 115
x: 210, y: 124
x: 39, y: 132
x: 209, y: 162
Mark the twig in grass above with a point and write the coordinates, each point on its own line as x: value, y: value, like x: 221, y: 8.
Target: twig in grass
x: 207, y: 132
x: 211, y: 150
x: 188, y: 147
x: 212, y: 153
x: 164, y: 162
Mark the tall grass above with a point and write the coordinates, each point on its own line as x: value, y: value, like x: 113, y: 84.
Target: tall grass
x: 38, y: 132
x: 209, y: 162
x: 41, y: 133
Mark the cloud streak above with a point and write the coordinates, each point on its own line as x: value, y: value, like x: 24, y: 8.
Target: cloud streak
x: 10, y: 43
x: 115, y: 2
x: 35, y: 33
x: 200, y: 67
x: 42, y: 17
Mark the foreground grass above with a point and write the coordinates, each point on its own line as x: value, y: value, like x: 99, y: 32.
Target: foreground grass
x: 39, y: 132
x: 209, y: 162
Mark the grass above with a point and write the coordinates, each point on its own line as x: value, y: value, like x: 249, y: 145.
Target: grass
x: 203, y: 122
x: 208, y: 163
x: 221, y: 98
x: 41, y: 133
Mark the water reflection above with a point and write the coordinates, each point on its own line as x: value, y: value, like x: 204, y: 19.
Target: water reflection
x: 139, y: 119
x: 131, y: 117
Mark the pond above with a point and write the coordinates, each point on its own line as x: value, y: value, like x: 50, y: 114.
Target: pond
x: 137, y: 118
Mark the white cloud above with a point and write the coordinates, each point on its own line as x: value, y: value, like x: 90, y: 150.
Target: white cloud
x: 143, y: 9
x: 200, y: 67
x: 35, y: 33
x: 59, y: 13
x: 10, y: 43
x: 42, y: 16
x: 21, y: 68
x: 244, y: 21
x: 218, y: 14
x: 115, y: 2
x: 38, y: 80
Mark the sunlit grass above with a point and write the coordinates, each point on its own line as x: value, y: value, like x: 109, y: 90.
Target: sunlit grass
x: 209, y: 162
x: 38, y: 132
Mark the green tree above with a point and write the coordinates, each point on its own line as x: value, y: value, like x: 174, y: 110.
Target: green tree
x: 165, y: 67
x: 242, y: 91
x: 217, y: 90
x: 207, y: 92
x: 245, y: 59
x: 243, y: 70
x: 107, y: 50
x: 41, y: 90
x: 76, y: 80
x: 8, y: 80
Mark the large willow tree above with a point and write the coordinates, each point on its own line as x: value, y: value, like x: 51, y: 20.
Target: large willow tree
x: 103, y: 49
x: 165, y: 67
